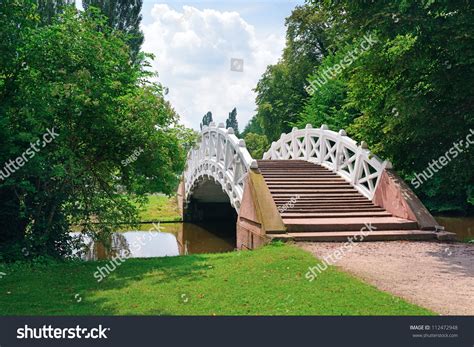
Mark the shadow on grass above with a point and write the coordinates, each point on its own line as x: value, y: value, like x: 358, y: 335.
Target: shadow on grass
x: 72, y: 289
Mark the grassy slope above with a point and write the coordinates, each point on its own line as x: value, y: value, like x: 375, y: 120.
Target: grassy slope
x: 160, y: 208
x: 269, y: 281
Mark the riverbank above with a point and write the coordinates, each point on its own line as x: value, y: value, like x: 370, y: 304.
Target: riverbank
x: 267, y: 281
x: 436, y: 275
x: 160, y: 208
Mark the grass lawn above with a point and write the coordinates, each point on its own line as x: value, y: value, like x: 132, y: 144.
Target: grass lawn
x: 160, y: 208
x: 268, y: 281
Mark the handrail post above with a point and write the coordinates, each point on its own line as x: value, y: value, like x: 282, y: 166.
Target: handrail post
x: 283, y: 151
x: 307, y: 141
x: 294, y: 144
x: 322, y: 144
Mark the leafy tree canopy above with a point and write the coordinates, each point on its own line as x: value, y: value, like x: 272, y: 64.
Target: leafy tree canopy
x: 75, y: 77
x: 123, y: 15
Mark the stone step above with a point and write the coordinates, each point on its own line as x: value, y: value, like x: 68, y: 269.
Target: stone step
x: 331, y: 209
x: 327, y: 203
x: 310, y: 186
x: 297, y: 171
x: 322, y: 202
x: 357, y: 236
x: 294, y: 169
x: 347, y: 224
x: 291, y: 180
x: 302, y: 182
x: 333, y: 191
x: 319, y: 205
x: 286, y: 163
x: 300, y: 175
x: 326, y: 214
x: 321, y: 196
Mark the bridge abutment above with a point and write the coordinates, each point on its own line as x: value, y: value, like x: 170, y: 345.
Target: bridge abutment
x: 258, y: 215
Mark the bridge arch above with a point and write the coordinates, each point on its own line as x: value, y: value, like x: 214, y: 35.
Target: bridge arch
x: 222, y: 180
x: 218, y: 157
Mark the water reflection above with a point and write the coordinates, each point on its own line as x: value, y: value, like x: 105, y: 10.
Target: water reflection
x: 173, y: 239
x: 462, y: 226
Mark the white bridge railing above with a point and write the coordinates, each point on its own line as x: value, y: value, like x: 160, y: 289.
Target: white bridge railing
x: 219, y: 155
x: 335, y: 151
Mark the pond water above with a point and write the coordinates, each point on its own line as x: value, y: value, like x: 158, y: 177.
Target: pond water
x: 463, y: 227
x: 172, y: 239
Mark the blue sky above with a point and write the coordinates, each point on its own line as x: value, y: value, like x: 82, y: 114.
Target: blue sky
x: 194, y: 42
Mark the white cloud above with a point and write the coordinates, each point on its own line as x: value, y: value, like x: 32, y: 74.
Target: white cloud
x: 193, y: 50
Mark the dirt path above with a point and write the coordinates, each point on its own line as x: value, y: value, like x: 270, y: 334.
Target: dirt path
x: 435, y: 275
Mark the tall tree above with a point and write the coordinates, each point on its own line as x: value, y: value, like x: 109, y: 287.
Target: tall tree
x: 253, y: 126
x: 207, y: 119
x: 411, y: 92
x: 94, y: 110
x: 123, y: 15
x: 48, y: 9
x: 281, y: 90
x: 231, y: 121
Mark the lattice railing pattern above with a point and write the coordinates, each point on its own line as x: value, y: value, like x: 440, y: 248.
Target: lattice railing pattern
x: 334, y: 151
x: 221, y: 156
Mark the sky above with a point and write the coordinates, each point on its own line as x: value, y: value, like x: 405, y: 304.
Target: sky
x: 194, y: 43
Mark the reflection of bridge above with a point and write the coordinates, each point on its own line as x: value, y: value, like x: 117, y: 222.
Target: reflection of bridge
x: 312, y: 184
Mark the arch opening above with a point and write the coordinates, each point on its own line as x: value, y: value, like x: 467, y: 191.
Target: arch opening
x: 209, y: 202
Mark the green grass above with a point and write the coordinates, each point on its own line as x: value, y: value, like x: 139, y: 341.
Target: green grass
x: 268, y: 281
x: 160, y: 208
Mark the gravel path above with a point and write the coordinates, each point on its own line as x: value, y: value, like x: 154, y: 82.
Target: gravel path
x: 435, y: 275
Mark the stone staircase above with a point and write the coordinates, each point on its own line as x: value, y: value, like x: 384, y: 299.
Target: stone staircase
x: 316, y: 204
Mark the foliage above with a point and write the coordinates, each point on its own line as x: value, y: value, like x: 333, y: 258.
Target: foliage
x: 75, y: 77
x: 253, y: 126
x: 205, y: 284
x: 123, y: 15
x: 257, y: 145
x: 280, y: 91
x: 231, y: 122
x: 413, y: 78
x: 409, y: 96
x: 207, y: 119
x: 328, y: 104
x: 49, y: 9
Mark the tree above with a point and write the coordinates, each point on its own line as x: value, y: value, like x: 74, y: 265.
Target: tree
x: 48, y: 9
x: 74, y: 78
x: 231, y: 122
x: 253, y: 126
x: 207, y: 119
x: 123, y: 15
x: 409, y: 93
x: 256, y: 144
x: 281, y: 93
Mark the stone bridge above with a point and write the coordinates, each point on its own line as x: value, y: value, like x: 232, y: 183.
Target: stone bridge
x: 313, y: 184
